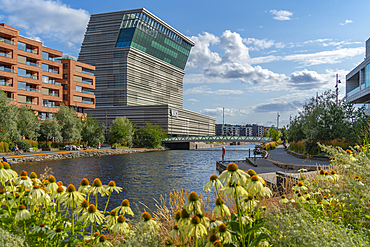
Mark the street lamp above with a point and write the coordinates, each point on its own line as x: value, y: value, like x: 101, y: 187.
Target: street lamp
x: 336, y: 87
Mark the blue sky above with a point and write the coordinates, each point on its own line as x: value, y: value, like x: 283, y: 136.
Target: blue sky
x: 254, y: 58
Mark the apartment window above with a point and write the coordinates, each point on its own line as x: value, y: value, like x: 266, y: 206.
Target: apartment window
x: 22, y: 72
x: 65, y: 86
x: 78, y: 89
x: 45, y: 67
x: 65, y: 96
x: 22, y: 46
x: 65, y: 76
x: 45, y: 55
x: 22, y: 85
x: 65, y: 66
x: 45, y: 79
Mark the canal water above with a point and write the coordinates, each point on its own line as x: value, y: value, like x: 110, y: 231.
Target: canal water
x: 143, y: 176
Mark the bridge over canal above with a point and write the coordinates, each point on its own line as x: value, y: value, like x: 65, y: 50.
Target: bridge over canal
x: 185, y: 142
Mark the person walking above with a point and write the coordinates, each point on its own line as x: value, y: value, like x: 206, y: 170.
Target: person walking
x: 99, y: 145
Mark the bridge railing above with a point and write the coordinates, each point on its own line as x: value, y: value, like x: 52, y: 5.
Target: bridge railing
x: 218, y: 139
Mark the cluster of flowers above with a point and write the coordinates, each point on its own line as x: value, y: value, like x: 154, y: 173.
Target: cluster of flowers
x: 245, y: 187
x: 50, y: 212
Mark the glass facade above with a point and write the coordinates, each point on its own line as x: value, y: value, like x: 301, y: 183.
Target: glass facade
x: 147, y: 35
x: 367, y: 74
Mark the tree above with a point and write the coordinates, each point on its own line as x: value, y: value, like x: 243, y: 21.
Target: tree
x: 28, y: 123
x: 8, y: 119
x: 273, y: 133
x: 151, y: 135
x: 70, y: 123
x: 121, y: 131
x: 92, y: 131
x: 51, y: 128
x: 323, y: 120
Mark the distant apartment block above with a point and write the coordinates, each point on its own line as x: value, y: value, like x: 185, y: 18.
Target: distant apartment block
x: 358, y: 82
x: 33, y: 74
x: 239, y: 130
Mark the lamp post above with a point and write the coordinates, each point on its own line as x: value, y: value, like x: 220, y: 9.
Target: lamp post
x: 336, y: 88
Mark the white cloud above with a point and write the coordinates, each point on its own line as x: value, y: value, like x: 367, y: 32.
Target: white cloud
x: 193, y: 100
x: 227, y: 111
x: 325, y: 57
x: 346, y: 22
x: 262, y: 43
x: 281, y: 15
x: 207, y: 91
x: 36, y: 39
x: 45, y: 18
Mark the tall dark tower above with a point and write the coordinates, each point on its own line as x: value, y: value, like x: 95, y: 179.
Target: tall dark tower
x: 140, y: 63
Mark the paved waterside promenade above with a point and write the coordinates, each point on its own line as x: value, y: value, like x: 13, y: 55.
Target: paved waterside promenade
x: 56, y: 155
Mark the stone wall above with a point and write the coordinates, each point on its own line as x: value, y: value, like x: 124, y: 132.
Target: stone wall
x: 79, y: 154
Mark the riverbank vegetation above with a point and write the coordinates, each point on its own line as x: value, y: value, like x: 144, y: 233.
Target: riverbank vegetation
x: 329, y: 122
x: 65, y: 127
x: 329, y: 209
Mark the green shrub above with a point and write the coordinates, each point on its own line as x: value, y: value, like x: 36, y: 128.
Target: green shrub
x: 2, y: 147
x: 34, y: 144
x: 8, y: 239
x: 23, y: 145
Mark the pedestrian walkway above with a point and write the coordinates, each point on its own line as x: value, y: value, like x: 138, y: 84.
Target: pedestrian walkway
x: 279, y: 154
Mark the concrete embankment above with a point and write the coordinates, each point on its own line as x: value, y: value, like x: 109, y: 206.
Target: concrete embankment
x: 76, y: 154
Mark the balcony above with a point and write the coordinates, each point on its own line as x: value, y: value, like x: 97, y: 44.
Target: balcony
x: 52, y: 82
x: 53, y: 71
x: 7, y: 41
x: 54, y: 59
x: 82, y: 91
x: 11, y: 99
x: 30, y: 89
x: 87, y: 102
x: 353, y: 92
x: 50, y: 105
x: 4, y: 83
x: 7, y: 69
x: 87, y: 82
x: 30, y: 102
x: 3, y: 54
x: 28, y: 50
x: 29, y: 76
x: 33, y: 64
x: 87, y: 73
x: 54, y: 94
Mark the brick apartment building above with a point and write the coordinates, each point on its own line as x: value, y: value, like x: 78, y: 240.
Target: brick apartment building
x: 40, y: 77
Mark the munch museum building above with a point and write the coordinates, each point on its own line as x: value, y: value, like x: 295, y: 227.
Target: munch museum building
x: 139, y: 67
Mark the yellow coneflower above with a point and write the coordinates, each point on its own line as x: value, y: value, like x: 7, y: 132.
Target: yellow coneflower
x: 213, y: 181
x: 120, y: 226
x: 214, y: 223
x: 193, y: 204
x: 52, y: 185
x: 72, y: 197
x: 195, y: 228
x: 184, y: 221
x: 203, y: 219
x: 112, y: 187
x: 234, y: 190
x: 97, y: 187
x: 358, y: 180
x: 84, y: 186
x: 82, y: 207
x: 223, y: 234
x: 301, y: 187
x: 265, y: 191
x: 38, y: 195
x: 220, y: 209
x: 4, y: 176
x: 169, y: 242
x: 175, y: 232
x: 111, y: 218
x: 93, y: 215
x: 25, y: 181
x: 234, y: 175
x: 59, y: 193
x: 103, y: 242
x: 177, y: 217
x: 42, y: 228
x: 255, y: 185
x: 11, y: 173
x: 283, y: 199
x: 249, y: 203
x: 325, y: 201
x: 56, y: 234
x: 124, y: 208
x: 147, y: 222
x: 22, y: 214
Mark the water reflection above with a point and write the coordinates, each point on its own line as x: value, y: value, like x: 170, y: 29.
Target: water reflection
x: 143, y: 176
